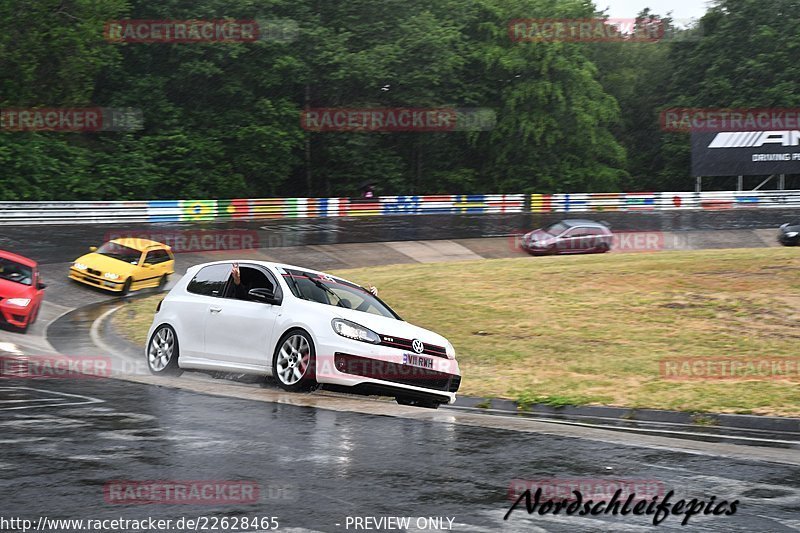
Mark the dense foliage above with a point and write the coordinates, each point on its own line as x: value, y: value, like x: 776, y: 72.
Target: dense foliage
x: 223, y: 119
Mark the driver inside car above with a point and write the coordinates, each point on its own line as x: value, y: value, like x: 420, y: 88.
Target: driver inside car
x: 243, y: 282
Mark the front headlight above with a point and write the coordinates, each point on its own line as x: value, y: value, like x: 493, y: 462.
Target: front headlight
x: 351, y: 330
x: 791, y: 234
x: 79, y: 266
x: 451, y: 352
x: 22, y: 302
x: 111, y: 275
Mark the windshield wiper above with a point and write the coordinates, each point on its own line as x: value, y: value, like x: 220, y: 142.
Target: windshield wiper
x: 296, y: 287
x: 325, y: 288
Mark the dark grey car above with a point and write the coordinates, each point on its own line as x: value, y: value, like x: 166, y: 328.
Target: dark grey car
x: 572, y: 236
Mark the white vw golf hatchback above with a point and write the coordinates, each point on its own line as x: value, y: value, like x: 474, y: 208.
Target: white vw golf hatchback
x: 302, y: 327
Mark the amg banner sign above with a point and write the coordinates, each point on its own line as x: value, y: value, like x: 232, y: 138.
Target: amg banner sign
x: 745, y: 153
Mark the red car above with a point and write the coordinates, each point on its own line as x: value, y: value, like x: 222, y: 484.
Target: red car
x: 21, y: 290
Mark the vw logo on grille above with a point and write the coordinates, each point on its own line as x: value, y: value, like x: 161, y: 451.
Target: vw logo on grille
x: 417, y: 346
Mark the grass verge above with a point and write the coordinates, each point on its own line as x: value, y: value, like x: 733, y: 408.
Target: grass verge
x: 578, y: 330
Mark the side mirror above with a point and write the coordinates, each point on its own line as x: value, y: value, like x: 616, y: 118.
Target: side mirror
x: 41, y: 286
x: 264, y: 296
x: 93, y: 248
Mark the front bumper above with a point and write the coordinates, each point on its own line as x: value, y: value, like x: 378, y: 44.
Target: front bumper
x: 537, y: 250
x: 15, y: 315
x: 81, y: 276
x: 388, y: 371
x: 398, y: 374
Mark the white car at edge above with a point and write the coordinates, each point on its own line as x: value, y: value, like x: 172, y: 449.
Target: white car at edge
x: 301, y: 326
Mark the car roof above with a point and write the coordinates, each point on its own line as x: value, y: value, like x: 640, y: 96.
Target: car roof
x: 268, y: 264
x: 138, y: 244
x: 17, y: 258
x: 582, y: 222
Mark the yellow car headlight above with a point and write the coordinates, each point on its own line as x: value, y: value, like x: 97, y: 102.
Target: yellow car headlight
x: 79, y: 266
x: 111, y: 275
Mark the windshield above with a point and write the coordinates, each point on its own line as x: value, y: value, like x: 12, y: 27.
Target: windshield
x: 120, y: 252
x: 334, y: 291
x: 556, y: 229
x: 13, y: 271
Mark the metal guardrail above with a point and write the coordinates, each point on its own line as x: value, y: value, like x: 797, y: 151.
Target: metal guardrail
x: 26, y: 213
x: 662, y: 201
x: 29, y: 213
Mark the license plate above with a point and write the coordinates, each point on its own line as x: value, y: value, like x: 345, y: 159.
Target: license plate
x: 417, y: 360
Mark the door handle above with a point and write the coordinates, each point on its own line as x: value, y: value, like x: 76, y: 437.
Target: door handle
x: 214, y: 309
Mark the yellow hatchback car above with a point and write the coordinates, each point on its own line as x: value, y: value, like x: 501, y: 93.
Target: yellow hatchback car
x: 123, y: 265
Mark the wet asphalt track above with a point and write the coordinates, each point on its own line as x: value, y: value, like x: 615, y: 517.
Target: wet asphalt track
x: 88, y: 332
x: 63, y: 440
x: 316, y: 467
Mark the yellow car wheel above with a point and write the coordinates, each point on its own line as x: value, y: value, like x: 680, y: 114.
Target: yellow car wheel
x: 126, y: 288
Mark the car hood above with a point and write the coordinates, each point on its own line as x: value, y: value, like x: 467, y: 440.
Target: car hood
x: 106, y: 264
x: 390, y: 326
x: 11, y: 289
x: 540, y: 235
